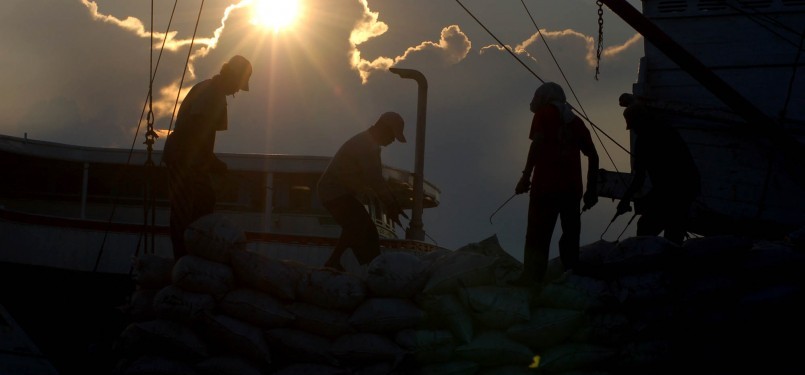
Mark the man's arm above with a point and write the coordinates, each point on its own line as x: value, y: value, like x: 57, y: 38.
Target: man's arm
x: 524, y: 184
x: 591, y: 193
x: 212, y: 163
x: 373, y: 171
x: 638, y: 178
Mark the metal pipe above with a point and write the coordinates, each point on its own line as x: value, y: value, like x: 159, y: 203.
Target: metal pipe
x: 415, y: 229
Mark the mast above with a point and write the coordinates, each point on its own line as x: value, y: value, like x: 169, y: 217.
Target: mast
x: 755, y: 118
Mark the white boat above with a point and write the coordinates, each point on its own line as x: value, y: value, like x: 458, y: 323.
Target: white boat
x: 729, y: 76
x: 82, y: 208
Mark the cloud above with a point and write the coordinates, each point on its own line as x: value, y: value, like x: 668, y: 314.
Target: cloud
x: 567, y: 38
x: 165, y: 100
x: 617, y: 50
x: 366, y: 28
x: 452, y: 47
x: 136, y: 26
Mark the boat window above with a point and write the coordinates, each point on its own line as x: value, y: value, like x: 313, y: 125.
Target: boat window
x: 794, y: 3
x: 300, y: 198
x: 712, y: 5
x: 295, y: 193
x: 753, y: 4
x: 668, y: 6
x: 39, y: 178
x: 240, y: 191
x: 125, y: 184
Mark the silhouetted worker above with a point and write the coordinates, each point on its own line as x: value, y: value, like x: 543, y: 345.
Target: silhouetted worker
x: 189, y: 152
x: 554, y: 176
x: 354, y: 171
x: 661, y: 155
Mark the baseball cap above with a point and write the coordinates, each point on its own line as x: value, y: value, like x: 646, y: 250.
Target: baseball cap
x: 395, y: 122
x: 240, y: 68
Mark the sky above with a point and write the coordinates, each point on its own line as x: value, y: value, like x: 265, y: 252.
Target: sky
x: 77, y: 72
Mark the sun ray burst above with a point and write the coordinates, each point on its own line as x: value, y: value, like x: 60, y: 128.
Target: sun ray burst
x: 276, y: 14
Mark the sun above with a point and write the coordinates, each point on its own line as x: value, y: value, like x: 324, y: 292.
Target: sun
x: 275, y: 14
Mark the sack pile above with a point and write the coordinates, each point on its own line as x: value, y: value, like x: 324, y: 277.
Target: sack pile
x: 644, y: 306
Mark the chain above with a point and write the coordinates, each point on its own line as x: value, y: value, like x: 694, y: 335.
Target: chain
x: 600, y: 37
x: 149, y: 201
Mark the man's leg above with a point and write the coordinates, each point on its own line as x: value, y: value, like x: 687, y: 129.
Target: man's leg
x: 571, y: 231
x: 651, y: 220
x: 542, y: 215
x: 676, y: 213
x: 201, y: 202
x: 337, y: 210
x: 334, y: 261
x: 649, y: 224
x: 177, y: 228
x: 181, y: 207
x: 358, y: 231
x: 203, y: 197
x: 367, y: 245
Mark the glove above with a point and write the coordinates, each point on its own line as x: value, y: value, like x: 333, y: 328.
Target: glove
x: 624, y: 206
x: 395, y: 216
x: 590, y: 199
x: 393, y: 210
x: 396, y: 220
x: 523, y: 185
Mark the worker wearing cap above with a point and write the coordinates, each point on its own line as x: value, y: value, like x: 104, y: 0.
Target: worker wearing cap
x: 355, y: 170
x: 188, y: 151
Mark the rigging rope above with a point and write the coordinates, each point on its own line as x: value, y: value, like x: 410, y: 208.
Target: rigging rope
x: 792, y: 80
x: 186, y: 63
x: 150, y: 136
x: 507, y: 48
x: 545, y: 42
x: 756, y: 16
x: 581, y: 114
x: 567, y: 82
x: 137, y: 131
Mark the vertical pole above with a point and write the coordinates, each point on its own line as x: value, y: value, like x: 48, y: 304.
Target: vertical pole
x: 415, y: 230
x: 269, y: 208
x: 84, y: 187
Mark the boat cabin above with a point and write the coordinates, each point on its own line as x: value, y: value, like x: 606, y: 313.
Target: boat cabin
x: 272, y: 197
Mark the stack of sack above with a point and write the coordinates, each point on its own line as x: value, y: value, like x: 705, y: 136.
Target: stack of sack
x: 647, y: 306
